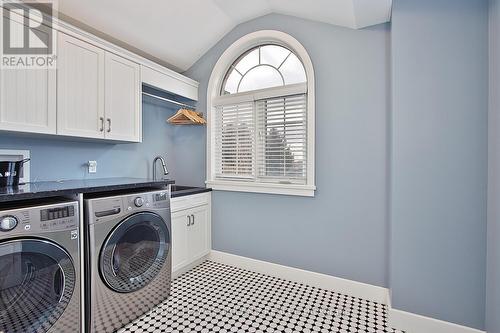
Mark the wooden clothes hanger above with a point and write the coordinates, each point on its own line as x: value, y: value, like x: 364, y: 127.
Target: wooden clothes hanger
x: 187, y: 117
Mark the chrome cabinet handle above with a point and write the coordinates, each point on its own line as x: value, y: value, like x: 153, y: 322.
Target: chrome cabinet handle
x: 109, y: 124
x: 192, y: 215
x: 102, y: 124
x: 189, y: 220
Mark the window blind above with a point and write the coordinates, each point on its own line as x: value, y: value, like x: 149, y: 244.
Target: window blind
x: 263, y: 140
x: 235, y: 141
x: 282, y: 139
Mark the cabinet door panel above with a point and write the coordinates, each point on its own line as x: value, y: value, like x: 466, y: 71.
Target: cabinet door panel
x: 180, y: 253
x: 199, y: 233
x: 80, y: 88
x: 27, y: 96
x: 123, y: 102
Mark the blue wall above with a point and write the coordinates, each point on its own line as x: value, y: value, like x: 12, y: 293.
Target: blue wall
x: 343, y: 230
x: 493, y: 263
x: 64, y: 158
x: 439, y: 158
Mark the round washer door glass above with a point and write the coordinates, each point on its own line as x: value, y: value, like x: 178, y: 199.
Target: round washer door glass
x: 37, y: 280
x: 134, y: 252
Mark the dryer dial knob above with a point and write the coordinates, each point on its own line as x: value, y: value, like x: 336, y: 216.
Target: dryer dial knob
x: 139, y: 202
x: 7, y: 223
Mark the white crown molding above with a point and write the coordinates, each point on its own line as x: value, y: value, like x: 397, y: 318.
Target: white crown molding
x: 70, y: 29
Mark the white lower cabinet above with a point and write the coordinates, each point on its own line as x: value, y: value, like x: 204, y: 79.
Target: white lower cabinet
x: 191, y: 229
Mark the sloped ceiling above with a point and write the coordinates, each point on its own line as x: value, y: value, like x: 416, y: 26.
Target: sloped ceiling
x: 179, y: 32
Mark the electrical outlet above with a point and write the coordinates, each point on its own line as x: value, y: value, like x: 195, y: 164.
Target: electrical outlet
x: 92, y: 166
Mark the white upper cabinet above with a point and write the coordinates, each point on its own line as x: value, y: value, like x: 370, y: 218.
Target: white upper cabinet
x: 123, y: 99
x: 80, y: 88
x: 99, y: 93
x: 95, y: 90
x: 27, y: 96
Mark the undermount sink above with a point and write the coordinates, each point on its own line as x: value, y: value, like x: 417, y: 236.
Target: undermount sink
x: 176, y: 188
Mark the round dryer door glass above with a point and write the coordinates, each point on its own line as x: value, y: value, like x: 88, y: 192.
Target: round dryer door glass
x: 134, y: 252
x: 37, y: 279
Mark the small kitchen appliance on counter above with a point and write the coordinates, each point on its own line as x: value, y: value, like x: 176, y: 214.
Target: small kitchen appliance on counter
x: 10, y: 172
x: 129, y: 258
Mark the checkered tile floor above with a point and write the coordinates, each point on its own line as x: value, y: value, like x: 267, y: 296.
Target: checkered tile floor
x: 218, y: 298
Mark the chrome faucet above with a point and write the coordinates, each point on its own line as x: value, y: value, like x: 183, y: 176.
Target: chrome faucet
x: 163, y: 165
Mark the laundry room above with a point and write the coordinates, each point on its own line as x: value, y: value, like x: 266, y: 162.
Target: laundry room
x: 265, y: 166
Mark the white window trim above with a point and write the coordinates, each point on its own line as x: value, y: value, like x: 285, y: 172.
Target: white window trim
x: 213, y: 92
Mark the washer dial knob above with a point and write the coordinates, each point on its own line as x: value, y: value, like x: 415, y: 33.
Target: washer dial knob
x: 7, y: 223
x: 139, y: 202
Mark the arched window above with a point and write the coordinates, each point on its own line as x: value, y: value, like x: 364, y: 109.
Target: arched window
x: 261, y: 117
x: 264, y: 66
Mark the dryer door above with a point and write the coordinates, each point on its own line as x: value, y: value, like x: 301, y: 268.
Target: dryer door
x: 134, y: 252
x: 37, y: 279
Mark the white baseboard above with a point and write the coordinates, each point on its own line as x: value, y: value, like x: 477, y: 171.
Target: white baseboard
x: 413, y: 323
x: 343, y: 286
x: 188, y: 267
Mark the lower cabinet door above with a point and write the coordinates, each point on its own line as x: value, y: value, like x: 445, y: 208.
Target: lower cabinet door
x: 180, y: 251
x: 198, y: 233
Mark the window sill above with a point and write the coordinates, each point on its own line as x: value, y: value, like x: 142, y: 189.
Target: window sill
x: 283, y: 189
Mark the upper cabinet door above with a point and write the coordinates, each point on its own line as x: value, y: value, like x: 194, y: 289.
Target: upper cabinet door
x: 80, y: 88
x: 27, y: 96
x: 123, y: 99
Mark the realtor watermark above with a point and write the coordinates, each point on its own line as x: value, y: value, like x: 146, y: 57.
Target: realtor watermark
x: 28, y: 40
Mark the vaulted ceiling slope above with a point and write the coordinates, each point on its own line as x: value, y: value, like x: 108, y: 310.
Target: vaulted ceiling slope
x: 179, y: 32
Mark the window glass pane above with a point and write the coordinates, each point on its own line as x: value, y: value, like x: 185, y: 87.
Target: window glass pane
x: 293, y: 70
x: 273, y: 55
x: 259, y: 78
x: 231, y: 84
x: 248, y: 61
x: 282, y: 152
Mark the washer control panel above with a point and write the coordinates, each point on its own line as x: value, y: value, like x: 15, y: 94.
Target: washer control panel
x: 51, y: 217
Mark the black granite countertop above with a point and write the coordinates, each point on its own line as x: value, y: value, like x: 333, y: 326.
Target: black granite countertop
x: 69, y: 187
x: 181, y: 191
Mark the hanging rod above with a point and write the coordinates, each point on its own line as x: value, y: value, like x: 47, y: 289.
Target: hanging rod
x: 170, y: 101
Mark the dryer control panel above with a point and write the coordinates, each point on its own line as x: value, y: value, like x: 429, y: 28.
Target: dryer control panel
x: 116, y: 207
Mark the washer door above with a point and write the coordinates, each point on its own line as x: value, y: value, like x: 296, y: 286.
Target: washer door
x: 37, y: 279
x: 134, y: 252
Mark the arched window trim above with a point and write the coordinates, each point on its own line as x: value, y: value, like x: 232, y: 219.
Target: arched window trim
x: 234, y: 66
x: 236, y: 50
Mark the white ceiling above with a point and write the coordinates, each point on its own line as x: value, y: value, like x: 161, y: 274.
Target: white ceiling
x: 179, y: 32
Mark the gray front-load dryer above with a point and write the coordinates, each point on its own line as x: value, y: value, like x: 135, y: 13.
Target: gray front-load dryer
x: 40, y: 268
x: 129, y: 257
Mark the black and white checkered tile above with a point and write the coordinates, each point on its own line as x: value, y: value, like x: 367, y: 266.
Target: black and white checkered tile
x: 218, y: 298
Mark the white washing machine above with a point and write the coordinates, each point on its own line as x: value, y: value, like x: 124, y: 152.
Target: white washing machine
x: 129, y: 257
x: 40, y: 268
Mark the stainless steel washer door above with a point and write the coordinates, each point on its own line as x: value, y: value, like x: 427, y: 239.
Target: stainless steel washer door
x: 37, y: 280
x: 134, y: 252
